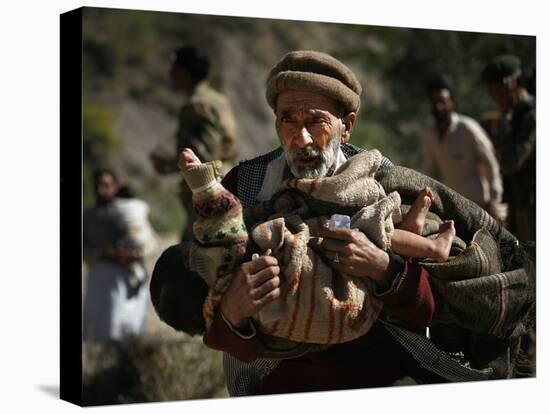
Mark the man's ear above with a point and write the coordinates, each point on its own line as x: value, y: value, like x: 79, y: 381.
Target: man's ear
x: 348, y: 121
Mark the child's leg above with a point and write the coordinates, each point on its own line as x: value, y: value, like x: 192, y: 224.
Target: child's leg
x: 410, y: 244
x: 413, y: 221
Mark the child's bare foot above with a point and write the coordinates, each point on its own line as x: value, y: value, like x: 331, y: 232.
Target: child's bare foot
x: 188, y: 159
x: 415, y: 217
x: 444, y: 240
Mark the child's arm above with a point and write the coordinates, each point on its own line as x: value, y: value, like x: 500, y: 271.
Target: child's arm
x: 220, y: 233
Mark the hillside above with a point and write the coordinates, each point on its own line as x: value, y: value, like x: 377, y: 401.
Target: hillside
x: 129, y: 109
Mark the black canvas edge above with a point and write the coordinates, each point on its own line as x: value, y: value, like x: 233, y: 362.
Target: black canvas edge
x: 71, y: 206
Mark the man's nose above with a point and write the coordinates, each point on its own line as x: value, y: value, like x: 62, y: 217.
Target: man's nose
x: 302, y: 137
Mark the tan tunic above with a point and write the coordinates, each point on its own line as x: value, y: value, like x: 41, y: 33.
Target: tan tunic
x: 464, y: 160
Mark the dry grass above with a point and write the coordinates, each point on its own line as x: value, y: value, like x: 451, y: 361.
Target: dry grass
x: 162, y: 365
x: 147, y: 370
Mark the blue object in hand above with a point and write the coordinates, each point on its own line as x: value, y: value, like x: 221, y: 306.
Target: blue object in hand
x: 339, y: 221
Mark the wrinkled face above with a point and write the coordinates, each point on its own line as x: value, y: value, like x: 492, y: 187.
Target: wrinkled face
x: 107, y: 188
x: 442, y: 105
x: 310, y: 129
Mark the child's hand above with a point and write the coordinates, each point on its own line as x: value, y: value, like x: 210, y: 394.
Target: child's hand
x: 188, y: 159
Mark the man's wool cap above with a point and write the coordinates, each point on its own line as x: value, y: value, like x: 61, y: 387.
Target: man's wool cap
x: 311, y: 71
x: 500, y: 68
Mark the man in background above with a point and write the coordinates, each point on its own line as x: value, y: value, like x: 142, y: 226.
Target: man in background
x: 515, y: 141
x: 206, y: 123
x: 515, y: 144
x: 458, y: 152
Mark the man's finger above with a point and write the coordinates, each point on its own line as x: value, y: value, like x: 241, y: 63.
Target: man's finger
x: 254, y: 266
x: 269, y: 297
x: 259, y: 278
x: 266, y: 287
x: 333, y: 245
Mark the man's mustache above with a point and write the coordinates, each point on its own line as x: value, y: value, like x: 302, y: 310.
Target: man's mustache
x: 310, y: 151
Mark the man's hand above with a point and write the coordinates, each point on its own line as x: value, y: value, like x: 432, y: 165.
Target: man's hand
x: 255, y: 284
x: 356, y: 255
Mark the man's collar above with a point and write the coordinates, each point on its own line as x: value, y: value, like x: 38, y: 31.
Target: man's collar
x: 525, y: 100
x: 199, y: 88
x: 525, y: 96
x: 453, y: 122
x: 340, y: 159
x: 274, y: 175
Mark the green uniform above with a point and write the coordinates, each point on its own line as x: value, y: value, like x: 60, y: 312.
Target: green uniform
x: 207, y: 126
x: 516, y: 153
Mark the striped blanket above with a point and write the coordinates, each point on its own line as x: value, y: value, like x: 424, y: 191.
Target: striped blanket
x: 486, y: 287
x: 321, y: 306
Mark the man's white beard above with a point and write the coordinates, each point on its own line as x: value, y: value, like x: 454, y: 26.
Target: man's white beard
x: 321, y: 169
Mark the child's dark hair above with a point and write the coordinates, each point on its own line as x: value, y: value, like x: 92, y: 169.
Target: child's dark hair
x: 178, y: 293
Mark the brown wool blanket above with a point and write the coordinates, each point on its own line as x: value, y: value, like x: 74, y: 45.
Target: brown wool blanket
x: 484, y: 286
x: 319, y: 305
x: 487, y: 286
x: 485, y: 289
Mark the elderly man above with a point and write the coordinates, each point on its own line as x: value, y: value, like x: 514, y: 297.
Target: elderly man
x: 316, y: 99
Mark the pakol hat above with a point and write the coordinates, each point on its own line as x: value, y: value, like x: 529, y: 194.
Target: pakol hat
x: 317, y: 72
x: 500, y: 68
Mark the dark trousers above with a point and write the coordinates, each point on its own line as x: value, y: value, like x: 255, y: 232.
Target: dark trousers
x: 374, y: 360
